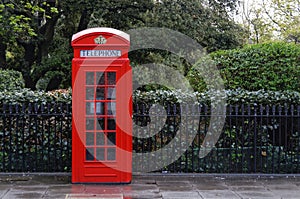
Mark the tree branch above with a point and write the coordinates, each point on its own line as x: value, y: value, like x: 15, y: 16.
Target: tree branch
x: 271, y: 18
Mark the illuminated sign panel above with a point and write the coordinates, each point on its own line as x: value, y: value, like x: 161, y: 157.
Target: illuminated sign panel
x: 100, y: 53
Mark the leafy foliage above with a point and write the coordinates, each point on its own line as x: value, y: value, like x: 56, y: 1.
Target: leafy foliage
x: 11, y: 80
x: 209, y: 24
x: 30, y: 26
x: 270, y: 20
x: 269, y: 66
x: 40, y: 31
x: 237, y: 96
x: 28, y: 96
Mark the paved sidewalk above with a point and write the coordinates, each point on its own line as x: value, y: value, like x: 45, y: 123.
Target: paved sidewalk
x: 153, y: 186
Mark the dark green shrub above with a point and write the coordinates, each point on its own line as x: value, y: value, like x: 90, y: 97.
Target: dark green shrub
x: 11, y: 80
x: 26, y: 95
x: 237, y: 96
x: 270, y: 66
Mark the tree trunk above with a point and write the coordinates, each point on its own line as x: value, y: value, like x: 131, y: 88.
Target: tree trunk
x: 84, y: 19
x: 29, y: 59
x: 54, y: 83
x: 47, y: 34
x: 3, y: 47
x: 29, y: 82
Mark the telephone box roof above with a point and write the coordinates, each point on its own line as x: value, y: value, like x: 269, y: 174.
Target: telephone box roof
x: 101, y: 30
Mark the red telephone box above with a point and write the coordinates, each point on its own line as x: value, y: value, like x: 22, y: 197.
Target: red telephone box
x: 101, y: 107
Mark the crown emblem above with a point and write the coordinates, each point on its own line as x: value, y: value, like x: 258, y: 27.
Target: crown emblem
x: 100, y: 40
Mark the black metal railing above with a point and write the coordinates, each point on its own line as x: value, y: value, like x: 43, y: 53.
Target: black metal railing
x: 254, y: 139
x: 35, y: 137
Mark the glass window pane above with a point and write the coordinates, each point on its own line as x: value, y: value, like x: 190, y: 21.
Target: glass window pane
x: 89, y: 95
x: 89, y: 138
x: 111, y: 138
x: 100, y: 153
x: 90, y: 108
x: 100, y: 94
x: 100, y: 108
x: 111, y: 93
x: 100, y: 78
x: 101, y: 124
x: 100, y: 139
x: 89, y: 78
x: 89, y: 124
x: 111, y: 78
x: 111, y: 124
x: 89, y: 154
x: 111, y: 154
x: 111, y: 108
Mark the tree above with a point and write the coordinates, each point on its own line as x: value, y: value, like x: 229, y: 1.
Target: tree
x: 30, y: 25
x: 269, y: 20
x: 258, y: 29
x: 33, y: 25
x: 284, y: 14
x: 77, y: 16
x: 41, y: 30
x: 208, y: 22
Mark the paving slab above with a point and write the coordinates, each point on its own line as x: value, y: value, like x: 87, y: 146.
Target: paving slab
x: 257, y: 194
x: 248, y: 188
x: 176, y: 188
x: 141, y: 195
x: 178, y: 182
x: 142, y: 187
x: 292, y: 193
x: 297, y: 184
x: 216, y: 194
x: 94, y: 196
x: 29, y: 188
x: 103, y: 189
x: 145, y: 191
x: 180, y: 195
x: 68, y: 188
x: 25, y: 192
x: 283, y: 186
x: 6, y: 186
x: 55, y: 196
x: 23, y: 195
x: 4, y: 192
x: 143, y: 181
x: 210, y: 186
x: 245, y: 182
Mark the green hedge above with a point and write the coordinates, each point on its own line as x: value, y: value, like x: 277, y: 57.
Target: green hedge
x: 25, y: 95
x: 11, y: 80
x: 269, y: 66
x: 237, y: 96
